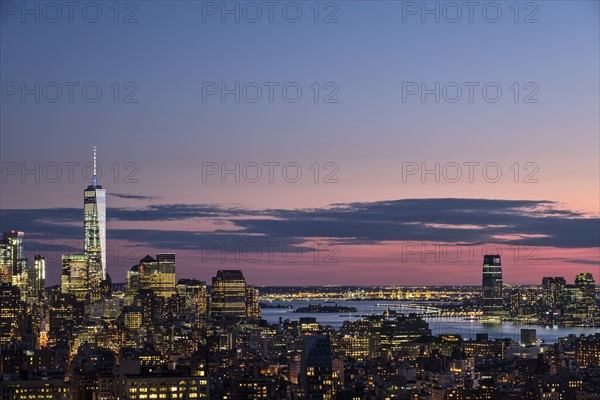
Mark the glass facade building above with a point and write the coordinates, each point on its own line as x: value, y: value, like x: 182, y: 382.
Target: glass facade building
x: 228, y: 295
x: 492, y: 286
x: 75, y: 276
x: 12, y: 259
x: 94, y: 242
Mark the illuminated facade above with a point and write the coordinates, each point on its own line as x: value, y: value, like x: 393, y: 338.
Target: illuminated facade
x: 37, y: 389
x: 228, y: 295
x: 12, y: 260
x: 553, y: 291
x: 193, y: 293
x: 587, y: 350
x: 37, y: 277
x: 94, y: 226
x: 156, y: 274
x: 75, y: 276
x: 11, y: 313
x: 492, y: 286
x: 252, y: 304
x: 587, y: 287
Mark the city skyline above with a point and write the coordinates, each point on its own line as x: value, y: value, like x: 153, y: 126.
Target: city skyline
x: 231, y: 248
x: 299, y: 200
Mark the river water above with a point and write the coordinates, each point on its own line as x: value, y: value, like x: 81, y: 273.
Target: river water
x: 451, y: 325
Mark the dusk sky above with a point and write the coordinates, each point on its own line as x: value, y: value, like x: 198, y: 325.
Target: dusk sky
x: 415, y: 146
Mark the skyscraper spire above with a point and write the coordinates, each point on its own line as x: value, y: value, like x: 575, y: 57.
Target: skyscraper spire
x: 94, y: 225
x: 95, y: 179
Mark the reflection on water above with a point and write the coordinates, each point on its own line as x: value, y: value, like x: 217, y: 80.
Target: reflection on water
x: 457, y: 326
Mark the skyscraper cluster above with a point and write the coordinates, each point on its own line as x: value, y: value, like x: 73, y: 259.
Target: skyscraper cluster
x: 16, y: 270
x: 556, y: 303
x: 156, y: 337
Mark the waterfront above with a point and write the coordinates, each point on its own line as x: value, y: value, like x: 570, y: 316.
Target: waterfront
x: 446, y: 325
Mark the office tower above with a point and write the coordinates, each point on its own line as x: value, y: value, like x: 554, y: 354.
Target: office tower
x: 395, y: 333
x: 94, y: 226
x: 553, y: 291
x: 150, y: 305
x: 193, y: 292
x: 228, y: 295
x: 528, y: 337
x: 132, y: 284
x: 587, y: 287
x: 20, y: 279
x: 132, y: 317
x: 316, y: 371
x: 37, y: 277
x: 492, y: 286
x: 106, y: 288
x: 12, y: 311
x: 12, y: 259
x: 157, y: 275
x: 516, y: 303
x: 252, y: 304
x: 75, y: 277
x: 6, y: 262
x: 65, y: 314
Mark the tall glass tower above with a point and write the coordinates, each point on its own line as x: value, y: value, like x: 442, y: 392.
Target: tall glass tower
x: 492, y: 286
x: 94, y: 225
x: 228, y: 295
x: 13, y: 264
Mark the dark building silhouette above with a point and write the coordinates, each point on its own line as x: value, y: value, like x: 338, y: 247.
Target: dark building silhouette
x: 492, y: 286
x: 316, y: 370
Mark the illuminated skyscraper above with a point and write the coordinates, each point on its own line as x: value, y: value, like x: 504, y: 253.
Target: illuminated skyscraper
x: 252, y: 304
x: 153, y: 274
x: 553, y: 289
x: 94, y: 225
x: 158, y: 275
x: 193, y: 292
x: 228, y: 295
x: 492, y: 285
x: 12, y: 260
x: 36, y: 278
x: 75, y: 276
x: 587, y: 287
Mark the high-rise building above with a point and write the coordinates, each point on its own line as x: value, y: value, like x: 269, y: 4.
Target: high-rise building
x: 156, y: 274
x: 12, y: 312
x: 492, y: 286
x: 553, y: 291
x: 316, y: 370
x: 193, y: 292
x: 75, y: 277
x: 65, y: 313
x: 94, y: 226
x: 37, y: 277
x: 587, y: 287
x: 395, y: 333
x: 12, y: 258
x: 252, y: 304
x: 228, y: 295
x: 516, y: 303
